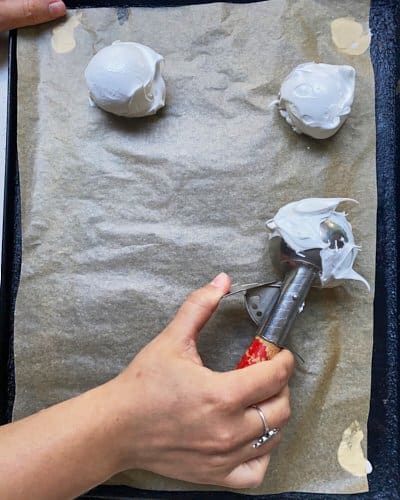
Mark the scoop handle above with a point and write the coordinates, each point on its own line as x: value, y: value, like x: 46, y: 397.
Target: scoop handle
x: 274, y: 327
x: 259, y: 350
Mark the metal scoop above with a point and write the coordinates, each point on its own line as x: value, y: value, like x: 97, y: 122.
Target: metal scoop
x: 301, y: 271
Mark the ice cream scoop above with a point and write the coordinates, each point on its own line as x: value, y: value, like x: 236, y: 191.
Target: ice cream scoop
x: 313, y: 223
x: 316, y: 99
x: 311, y: 244
x: 125, y: 79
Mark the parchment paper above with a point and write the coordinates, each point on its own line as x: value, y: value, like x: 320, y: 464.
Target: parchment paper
x: 123, y: 218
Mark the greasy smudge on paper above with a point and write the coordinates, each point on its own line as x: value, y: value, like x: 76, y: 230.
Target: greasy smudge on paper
x: 350, y: 454
x: 63, y: 38
x: 349, y: 36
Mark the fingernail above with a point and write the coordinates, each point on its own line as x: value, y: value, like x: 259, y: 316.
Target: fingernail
x: 220, y: 281
x: 57, y: 8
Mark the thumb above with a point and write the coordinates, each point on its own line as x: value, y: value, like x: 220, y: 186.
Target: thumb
x: 19, y: 13
x: 199, y: 307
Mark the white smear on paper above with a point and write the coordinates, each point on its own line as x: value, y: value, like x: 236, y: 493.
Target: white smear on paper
x: 350, y: 454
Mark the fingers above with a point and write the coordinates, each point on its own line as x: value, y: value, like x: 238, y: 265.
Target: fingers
x: 199, y: 306
x: 261, y: 381
x: 19, y: 13
x: 249, y: 474
x: 276, y: 412
x: 237, y: 456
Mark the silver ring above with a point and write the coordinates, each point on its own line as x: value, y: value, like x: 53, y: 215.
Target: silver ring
x: 268, y: 433
x: 265, y: 438
x: 263, y: 419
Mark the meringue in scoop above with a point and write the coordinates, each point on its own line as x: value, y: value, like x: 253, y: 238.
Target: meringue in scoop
x: 125, y: 79
x: 302, y: 224
x: 315, y: 99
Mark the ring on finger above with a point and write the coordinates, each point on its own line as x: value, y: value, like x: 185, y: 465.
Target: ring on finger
x: 263, y: 419
x: 268, y: 433
x: 266, y: 437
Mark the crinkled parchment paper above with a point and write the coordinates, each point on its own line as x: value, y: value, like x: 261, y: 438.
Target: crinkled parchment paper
x: 123, y: 218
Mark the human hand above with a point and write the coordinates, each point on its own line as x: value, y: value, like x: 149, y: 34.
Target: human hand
x: 19, y: 13
x: 180, y: 419
x: 165, y: 413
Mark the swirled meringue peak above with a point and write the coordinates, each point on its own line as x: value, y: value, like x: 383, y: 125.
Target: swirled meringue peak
x: 300, y: 224
x: 125, y: 79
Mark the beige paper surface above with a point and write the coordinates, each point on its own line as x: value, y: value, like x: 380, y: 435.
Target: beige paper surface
x: 123, y: 218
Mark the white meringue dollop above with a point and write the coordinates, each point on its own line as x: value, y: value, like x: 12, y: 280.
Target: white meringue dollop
x: 299, y: 225
x: 125, y: 79
x: 316, y: 98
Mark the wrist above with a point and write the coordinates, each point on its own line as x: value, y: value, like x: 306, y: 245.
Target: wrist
x: 106, y: 427
x: 80, y: 438
x: 119, y: 424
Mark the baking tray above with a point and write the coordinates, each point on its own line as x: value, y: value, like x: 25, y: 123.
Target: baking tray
x: 10, y: 261
x: 384, y: 417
